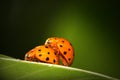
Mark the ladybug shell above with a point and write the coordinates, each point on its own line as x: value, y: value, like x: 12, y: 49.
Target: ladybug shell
x: 64, y: 47
x: 46, y: 54
x: 42, y: 54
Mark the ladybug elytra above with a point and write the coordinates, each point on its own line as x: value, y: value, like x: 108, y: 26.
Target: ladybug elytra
x: 53, y: 51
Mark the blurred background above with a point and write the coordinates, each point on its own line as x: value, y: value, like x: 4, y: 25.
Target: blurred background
x: 91, y: 26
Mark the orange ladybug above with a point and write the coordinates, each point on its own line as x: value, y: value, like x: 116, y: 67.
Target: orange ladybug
x: 42, y: 54
x: 64, y: 47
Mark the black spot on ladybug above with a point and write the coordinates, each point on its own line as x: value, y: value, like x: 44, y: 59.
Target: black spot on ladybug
x: 54, y: 60
x: 63, y: 41
x: 46, y: 46
x: 69, y: 49
x: 69, y: 59
x: 55, y: 53
x: 48, y: 52
x: 47, y: 58
x: 48, y: 42
x: 40, y: 55
x: 65, y: 52
x: 39, y: 50
x: 61, y: 46
x: 70, y: 44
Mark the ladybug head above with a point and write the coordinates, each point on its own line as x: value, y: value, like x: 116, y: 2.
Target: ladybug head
x: 51, y: 42
x: 30, y: 56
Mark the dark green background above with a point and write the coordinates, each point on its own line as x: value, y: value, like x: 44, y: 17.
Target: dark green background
x: 91, y: 26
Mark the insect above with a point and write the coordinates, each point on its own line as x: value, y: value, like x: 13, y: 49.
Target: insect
x: 43, y: 54
x: 54, y: 51
x: 64, y: 47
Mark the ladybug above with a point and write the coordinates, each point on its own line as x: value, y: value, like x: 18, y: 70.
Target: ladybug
x: 43, y: 54
x: 64, y: 47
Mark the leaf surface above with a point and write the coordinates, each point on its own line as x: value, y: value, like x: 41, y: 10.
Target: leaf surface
x: 16, y: 69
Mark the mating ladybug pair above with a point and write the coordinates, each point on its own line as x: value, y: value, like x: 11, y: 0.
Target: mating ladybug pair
x: 55, y: 51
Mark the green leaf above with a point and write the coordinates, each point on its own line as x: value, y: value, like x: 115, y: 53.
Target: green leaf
x: 16, y: 69
x: 4, y: 56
